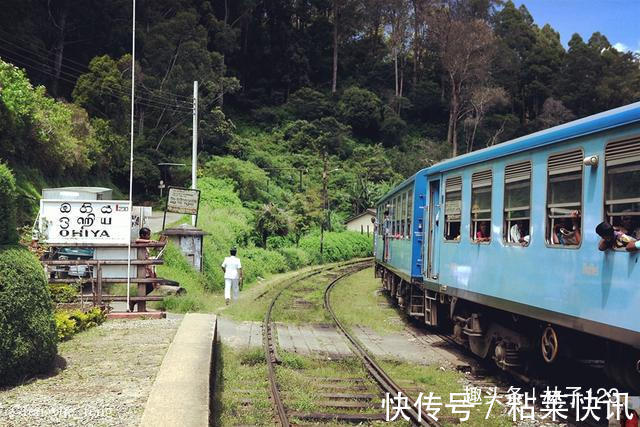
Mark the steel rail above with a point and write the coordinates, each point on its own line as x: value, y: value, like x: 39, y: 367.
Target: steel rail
x: 376, y: 372
x: 269, y: 343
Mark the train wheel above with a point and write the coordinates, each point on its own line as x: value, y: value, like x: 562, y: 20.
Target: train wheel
x: 549, y: 345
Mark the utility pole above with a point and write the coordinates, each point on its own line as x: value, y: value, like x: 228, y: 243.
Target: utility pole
x: 194, y: 165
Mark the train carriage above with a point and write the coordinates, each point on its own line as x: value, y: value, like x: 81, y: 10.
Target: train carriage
x: 503, y: 246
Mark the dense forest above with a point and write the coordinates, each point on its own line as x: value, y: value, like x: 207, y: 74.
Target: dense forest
x: 294, y: 94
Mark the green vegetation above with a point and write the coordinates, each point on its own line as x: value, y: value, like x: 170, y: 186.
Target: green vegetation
x: 228, y: 222
x: 426, y: 379
x: 70, y: 322
x: 356, y: 300
x: 7, y: 205
x: 27, y: 328
x: 242, y: 393
x: 62, y: 293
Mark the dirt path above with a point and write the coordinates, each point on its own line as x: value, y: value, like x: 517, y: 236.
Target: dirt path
x: 106, y: 381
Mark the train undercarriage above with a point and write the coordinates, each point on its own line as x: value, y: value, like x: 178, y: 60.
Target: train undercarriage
x: 514, y: 342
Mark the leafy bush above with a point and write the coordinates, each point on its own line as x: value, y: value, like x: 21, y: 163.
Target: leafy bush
x: 361, y: 109
x: 70, y: 322
x: 258, y: 262
x: 393, y: 130
x: 309, y: 104
x: 249, y: 180
x: 295, y: 257
x: 62, y: 293
x: 270, y: 116
x: 7, y: 205
x: 27, y: 329
x: 338, y: 246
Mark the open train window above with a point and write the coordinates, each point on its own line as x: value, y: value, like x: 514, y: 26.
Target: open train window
x: 481, y: 206
x: 393, y: 217
x: 564, y: 199
x: 517, y: 204
x: 403, y: 214
x: 452, y: 208
x: 622, y: 186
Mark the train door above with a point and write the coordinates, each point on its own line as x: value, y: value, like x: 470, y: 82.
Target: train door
x: 434, y: 220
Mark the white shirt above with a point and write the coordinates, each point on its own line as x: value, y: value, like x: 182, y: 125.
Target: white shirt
x: 514, y: 233
x: 231, y: 264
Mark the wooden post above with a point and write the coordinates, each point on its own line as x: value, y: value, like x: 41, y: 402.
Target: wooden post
x: 98, y: 300
x: 361, y: 229
x: 141, y: 273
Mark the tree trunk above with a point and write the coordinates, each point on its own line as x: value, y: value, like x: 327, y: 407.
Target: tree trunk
x: 395, y: 69
x: 452, y: 132
x: 416, y: 49
x: 334, y: 80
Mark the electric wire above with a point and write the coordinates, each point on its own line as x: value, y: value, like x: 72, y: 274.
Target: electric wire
x: 80, y: 68
x: 77, y: 72
x: 141, y: 101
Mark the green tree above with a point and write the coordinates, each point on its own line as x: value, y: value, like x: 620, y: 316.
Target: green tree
x: 271, y: 221
x: 361, y: 109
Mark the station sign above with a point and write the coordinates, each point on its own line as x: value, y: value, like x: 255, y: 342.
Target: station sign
x: 183, y: 200
x: 85, y: 222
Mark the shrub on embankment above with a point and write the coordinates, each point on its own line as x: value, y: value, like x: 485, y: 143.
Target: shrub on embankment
x: 7, y: 206
x: 224, y: 217
x: 337, y: 246
x: 27, y: 328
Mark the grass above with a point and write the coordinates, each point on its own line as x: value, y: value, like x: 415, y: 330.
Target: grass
x: 303, y: 302
x: 356, y: 301
x: 299, y: 378
x: 442, y: 383
x: 241, y: 376
x: 256, y: 297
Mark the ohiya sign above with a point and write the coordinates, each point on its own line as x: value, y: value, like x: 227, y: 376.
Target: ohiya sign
x: 85, y: 221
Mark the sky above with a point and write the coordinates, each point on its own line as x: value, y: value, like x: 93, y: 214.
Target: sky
x: 618, y: 20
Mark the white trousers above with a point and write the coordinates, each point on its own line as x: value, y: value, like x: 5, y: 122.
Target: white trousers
x: 231, y: 285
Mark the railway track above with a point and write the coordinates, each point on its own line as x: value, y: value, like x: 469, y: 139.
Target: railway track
x: 356, y: 399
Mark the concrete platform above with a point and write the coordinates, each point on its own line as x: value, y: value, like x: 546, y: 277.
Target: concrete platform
x: 180, y: 394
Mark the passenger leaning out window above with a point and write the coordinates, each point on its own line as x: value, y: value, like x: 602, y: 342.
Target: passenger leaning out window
x: 615, y: 239
x: 567, y: 232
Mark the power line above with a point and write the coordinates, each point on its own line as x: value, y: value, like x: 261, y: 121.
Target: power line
x: 82, y: 70
x: 141, y: 101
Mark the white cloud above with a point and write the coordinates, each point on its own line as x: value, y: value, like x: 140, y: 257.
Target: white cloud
x: 621, y: 47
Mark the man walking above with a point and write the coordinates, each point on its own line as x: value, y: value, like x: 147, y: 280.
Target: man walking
x: 232, y: 275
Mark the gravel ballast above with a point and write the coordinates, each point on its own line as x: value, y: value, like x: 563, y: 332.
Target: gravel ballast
x: 104, y: 377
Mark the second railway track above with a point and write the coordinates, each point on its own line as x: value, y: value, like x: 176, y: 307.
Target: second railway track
x: 358, y: 400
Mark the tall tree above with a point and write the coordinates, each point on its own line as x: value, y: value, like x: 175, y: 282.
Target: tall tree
x: 398, y: 14
x: 465, y: 49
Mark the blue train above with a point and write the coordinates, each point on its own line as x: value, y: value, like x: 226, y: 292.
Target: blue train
x: 500, y: 246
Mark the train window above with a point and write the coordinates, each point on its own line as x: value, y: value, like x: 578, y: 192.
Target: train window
x: 393, y: 217
x: 481, y: 206
x: 622, y: 186
x: 403, y: 213
x: 452, y: 208
x: 517, y: 204
x: 409, y: 213
x: 564, y: 199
